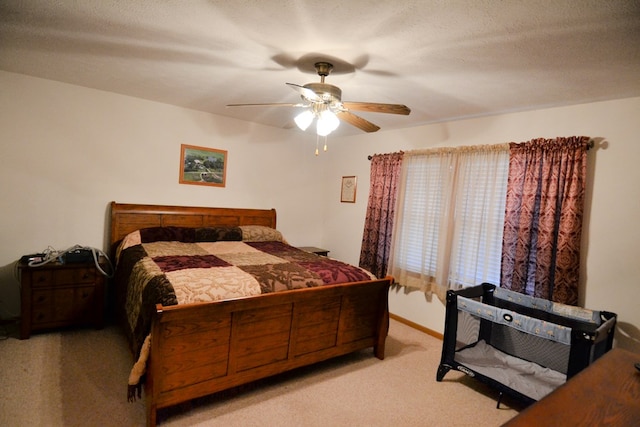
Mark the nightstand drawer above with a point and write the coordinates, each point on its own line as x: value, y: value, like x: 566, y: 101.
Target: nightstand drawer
x: 51, y: 305
x: 74, y: 275
x: 42, y: 298
x: 62, y: 304
x: 41, y: 277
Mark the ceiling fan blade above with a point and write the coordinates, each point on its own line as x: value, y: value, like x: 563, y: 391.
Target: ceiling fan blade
x: 357, y: 121
x: 373, y: 107
x: 277, y: 104
x: 305, y: 92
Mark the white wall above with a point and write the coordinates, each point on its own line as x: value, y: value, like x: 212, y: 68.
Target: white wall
x: 67, y: 151
x: 610, y: 267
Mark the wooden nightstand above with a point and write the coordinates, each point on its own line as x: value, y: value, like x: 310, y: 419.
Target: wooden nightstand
x: 313, y: 249
x: 56, y: 295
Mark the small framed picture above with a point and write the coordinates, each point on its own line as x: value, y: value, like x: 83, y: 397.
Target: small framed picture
x: 203, y: 166
x: 348, y: 192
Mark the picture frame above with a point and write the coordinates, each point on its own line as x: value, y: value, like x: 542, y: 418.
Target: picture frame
x: 203, y: 166
x: 348, y: 189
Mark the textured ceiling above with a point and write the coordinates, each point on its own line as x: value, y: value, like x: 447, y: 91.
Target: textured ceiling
x: 446, y: 60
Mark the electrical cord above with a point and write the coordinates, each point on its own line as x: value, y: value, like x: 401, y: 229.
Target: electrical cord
x: 50, y: 254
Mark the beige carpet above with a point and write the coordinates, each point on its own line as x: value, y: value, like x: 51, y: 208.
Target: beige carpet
x: 78, y: 378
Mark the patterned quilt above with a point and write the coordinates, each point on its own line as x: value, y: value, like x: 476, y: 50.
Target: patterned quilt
x: 174, y: 265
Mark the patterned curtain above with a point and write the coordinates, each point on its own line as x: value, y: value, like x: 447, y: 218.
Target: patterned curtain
x: 378, y: 225
x: 543, y: 220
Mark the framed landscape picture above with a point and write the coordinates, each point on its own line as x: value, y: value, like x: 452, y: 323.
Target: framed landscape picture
x: 203, y: 166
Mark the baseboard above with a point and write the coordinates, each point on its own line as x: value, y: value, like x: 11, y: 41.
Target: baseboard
x: 416, y: 326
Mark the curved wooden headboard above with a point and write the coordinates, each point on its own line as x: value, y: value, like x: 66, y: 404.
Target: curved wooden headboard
x: 126, y: 218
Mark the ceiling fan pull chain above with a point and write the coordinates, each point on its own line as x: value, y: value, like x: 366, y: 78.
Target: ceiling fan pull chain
x: 325, y: 143
x: 317, y: 140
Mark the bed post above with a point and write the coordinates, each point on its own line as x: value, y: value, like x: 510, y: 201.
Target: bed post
x: 150, y: 389
x: 383, y: 324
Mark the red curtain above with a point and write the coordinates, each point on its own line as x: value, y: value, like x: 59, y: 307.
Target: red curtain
x: 543, y: 221
x: 378, y: 226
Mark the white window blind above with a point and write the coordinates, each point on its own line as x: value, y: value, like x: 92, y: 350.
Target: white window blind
x: 448, y: 230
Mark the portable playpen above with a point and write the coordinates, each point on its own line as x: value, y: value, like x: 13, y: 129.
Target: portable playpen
x: 521, y: 345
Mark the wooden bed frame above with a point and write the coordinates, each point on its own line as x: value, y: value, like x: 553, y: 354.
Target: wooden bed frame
x: 200, y: 349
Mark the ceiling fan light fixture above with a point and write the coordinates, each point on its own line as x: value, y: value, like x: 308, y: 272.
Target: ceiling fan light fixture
x: 327, y: 122
x: 304, y: 119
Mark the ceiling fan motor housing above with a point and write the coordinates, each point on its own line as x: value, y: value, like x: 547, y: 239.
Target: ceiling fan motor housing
x: 328, y: 93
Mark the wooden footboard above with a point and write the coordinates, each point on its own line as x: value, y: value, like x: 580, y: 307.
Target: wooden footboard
x: 204, y: 348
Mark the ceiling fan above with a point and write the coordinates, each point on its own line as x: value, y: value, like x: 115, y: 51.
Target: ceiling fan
x: 323, y: 102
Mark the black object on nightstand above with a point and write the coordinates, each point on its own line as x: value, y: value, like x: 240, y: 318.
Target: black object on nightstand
x: 313, y: 249
x: 56, y: 295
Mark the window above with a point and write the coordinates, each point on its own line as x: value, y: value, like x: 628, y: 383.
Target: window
x: 450, y: 217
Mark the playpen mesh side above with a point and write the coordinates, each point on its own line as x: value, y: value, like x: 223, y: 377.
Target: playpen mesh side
x: 550, y: 354
x: 589, y: 332
x: 546, y: 353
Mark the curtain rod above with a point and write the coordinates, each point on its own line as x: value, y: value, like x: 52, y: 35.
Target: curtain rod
x: 590, y: 145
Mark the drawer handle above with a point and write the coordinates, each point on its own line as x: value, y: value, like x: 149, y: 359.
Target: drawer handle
x: 86, y: 275
x: 41, y: 298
